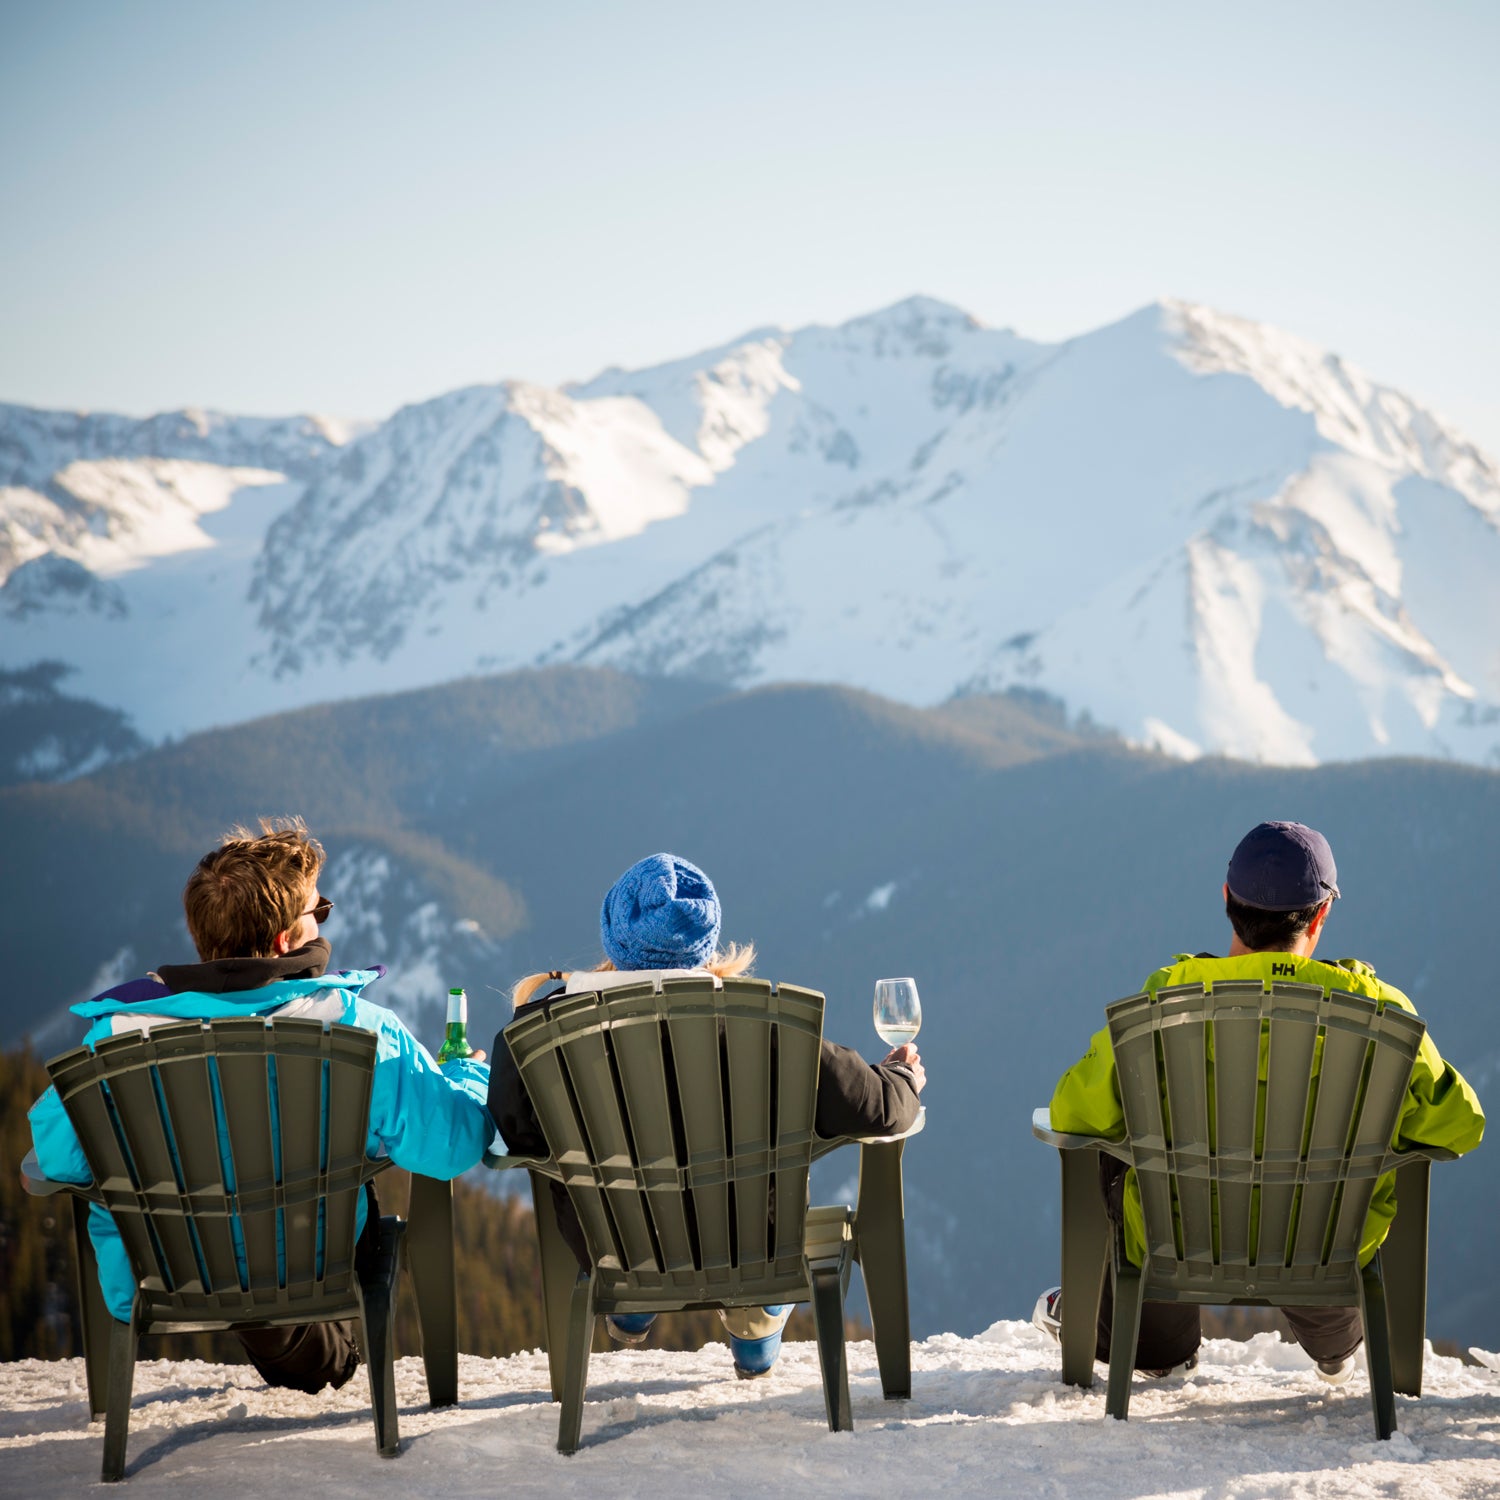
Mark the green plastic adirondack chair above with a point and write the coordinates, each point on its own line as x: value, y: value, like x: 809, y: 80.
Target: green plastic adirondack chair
x: 295, y: 1102
x: 1258, y: 1119
x: 680, y: 1122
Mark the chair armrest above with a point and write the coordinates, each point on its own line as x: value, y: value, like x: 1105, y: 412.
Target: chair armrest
x: 916, y: 1127
x: 1041, y: 1128
x: 821, y: 1146
x: 498, y: 1159
x: 1419, y: 1153
x: 39, y: 1185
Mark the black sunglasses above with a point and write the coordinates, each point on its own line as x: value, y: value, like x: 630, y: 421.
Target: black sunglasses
x: 319, y: 913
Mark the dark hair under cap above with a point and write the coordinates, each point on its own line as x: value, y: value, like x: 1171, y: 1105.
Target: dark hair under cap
x: 1282, y: 867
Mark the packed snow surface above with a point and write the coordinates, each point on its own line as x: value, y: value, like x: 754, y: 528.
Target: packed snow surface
x: 988, y: 1416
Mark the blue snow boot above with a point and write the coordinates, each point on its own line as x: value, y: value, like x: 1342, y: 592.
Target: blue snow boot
x: 629, y: 1328
x: 756, y: 1357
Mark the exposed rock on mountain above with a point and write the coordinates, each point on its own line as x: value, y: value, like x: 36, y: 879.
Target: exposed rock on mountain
x: 1202, y: 532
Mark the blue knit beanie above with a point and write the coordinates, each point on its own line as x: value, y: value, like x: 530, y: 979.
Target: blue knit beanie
x: 662, y: 913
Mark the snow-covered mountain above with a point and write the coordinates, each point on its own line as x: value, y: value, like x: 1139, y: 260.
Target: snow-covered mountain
x: 108, y: 493
x: 1203, y: 532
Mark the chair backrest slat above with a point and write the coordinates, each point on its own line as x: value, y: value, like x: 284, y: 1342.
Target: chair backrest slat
x: 681, y: 1120
x: 642, y: 1053
x: 1183, y: 1046
x: 798, y: 1046
x: 698, y: 1068
x: 1259, y: 1119
x: 600, y: 1105
x: 1291, y: 1050
x: 245, y: 1093
x: 142, y: 1133
x: 1234, y: 1039
x: 1143, y: 1097
x: 187, y: 1088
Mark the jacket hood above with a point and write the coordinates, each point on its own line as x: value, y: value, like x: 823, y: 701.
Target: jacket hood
x: 191, y: 1005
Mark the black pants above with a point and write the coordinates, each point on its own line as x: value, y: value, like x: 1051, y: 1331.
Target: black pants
x: 308, y: 1356
x: 1171, y: 1331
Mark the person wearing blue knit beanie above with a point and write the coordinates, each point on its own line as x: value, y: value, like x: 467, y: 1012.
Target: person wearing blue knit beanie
x: 662, y: 913
x: 662, y: 917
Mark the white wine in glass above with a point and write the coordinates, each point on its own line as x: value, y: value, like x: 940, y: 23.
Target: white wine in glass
x: 898, y: 1011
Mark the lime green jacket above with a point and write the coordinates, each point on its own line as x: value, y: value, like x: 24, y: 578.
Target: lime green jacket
x: 1440, y: 1110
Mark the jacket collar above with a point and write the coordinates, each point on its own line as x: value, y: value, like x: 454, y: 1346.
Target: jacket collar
x: 228, y: 976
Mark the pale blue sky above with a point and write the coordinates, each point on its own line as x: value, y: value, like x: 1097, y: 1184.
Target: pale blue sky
x: 342, y: 207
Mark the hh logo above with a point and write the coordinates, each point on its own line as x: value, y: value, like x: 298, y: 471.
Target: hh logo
x: 1283, y: 970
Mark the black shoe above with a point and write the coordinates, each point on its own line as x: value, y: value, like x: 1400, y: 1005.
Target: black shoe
x: 1336, y: 1371
x: 1177, y: 1372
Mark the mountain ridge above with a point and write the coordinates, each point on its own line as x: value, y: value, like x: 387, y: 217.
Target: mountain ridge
x: 1206, y: 534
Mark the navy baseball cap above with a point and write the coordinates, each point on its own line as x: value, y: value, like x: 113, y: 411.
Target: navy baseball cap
x: 1283, y: 867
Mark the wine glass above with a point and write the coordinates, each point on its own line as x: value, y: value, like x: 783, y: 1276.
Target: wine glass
x: 898, y: 1010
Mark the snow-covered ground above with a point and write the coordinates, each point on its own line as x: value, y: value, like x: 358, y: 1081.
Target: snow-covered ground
x: 988, y: 1416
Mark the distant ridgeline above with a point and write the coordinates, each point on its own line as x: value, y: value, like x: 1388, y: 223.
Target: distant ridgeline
x: 1025, y: 871
x: 47, y: 735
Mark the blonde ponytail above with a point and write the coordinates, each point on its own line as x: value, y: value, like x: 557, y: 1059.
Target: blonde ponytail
x: 526, y: 988
x: 730, y: 963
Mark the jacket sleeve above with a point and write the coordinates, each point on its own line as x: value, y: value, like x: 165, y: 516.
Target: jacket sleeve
x: 855, y: 1098
x: 428, y: 1119
x: 510, y: 1105
x: 1441, y: 1108
x: 1086, y: 1100
x: 61, y: 1157
x: 58, y: 1152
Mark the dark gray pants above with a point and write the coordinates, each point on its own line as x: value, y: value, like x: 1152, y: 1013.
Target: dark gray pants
x: 1171, y: 1331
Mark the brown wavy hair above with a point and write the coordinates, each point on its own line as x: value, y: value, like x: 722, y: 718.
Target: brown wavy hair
x: 252, y: 887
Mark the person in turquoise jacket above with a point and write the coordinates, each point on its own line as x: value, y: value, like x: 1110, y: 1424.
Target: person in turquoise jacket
x: 253, y: 910
x: 1281, y: 886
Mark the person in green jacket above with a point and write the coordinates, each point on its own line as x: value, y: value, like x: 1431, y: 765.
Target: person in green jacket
x: 1281, y: 886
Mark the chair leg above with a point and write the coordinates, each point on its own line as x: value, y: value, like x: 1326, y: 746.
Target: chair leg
x: 1124, y: 1332
x: 123, y: 1343
x: 1085, y: 1263
x: 828, y: 1313
x: 1378, y: 1348
x: 377, y: 1318
x: 881, y: 1225
x: 93, y: 1316
x: 576, y: 1370
x: 1404, y: 1259
x: 559, y: 1273
x: 431, y: 1258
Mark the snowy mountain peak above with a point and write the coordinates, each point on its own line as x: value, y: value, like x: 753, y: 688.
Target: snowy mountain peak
x: 1204, y: 532
x: 1350, y: 409
x: 112, y: 493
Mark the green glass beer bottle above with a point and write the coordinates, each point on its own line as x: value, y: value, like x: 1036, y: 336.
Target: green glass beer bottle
x: 456, y: 1038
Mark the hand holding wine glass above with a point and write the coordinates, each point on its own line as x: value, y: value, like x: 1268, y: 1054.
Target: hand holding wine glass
x: 898, y: 1019
x: 898, y: 1011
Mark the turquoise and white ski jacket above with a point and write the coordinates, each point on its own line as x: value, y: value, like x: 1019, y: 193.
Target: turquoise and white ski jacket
x: 427, y: 1119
